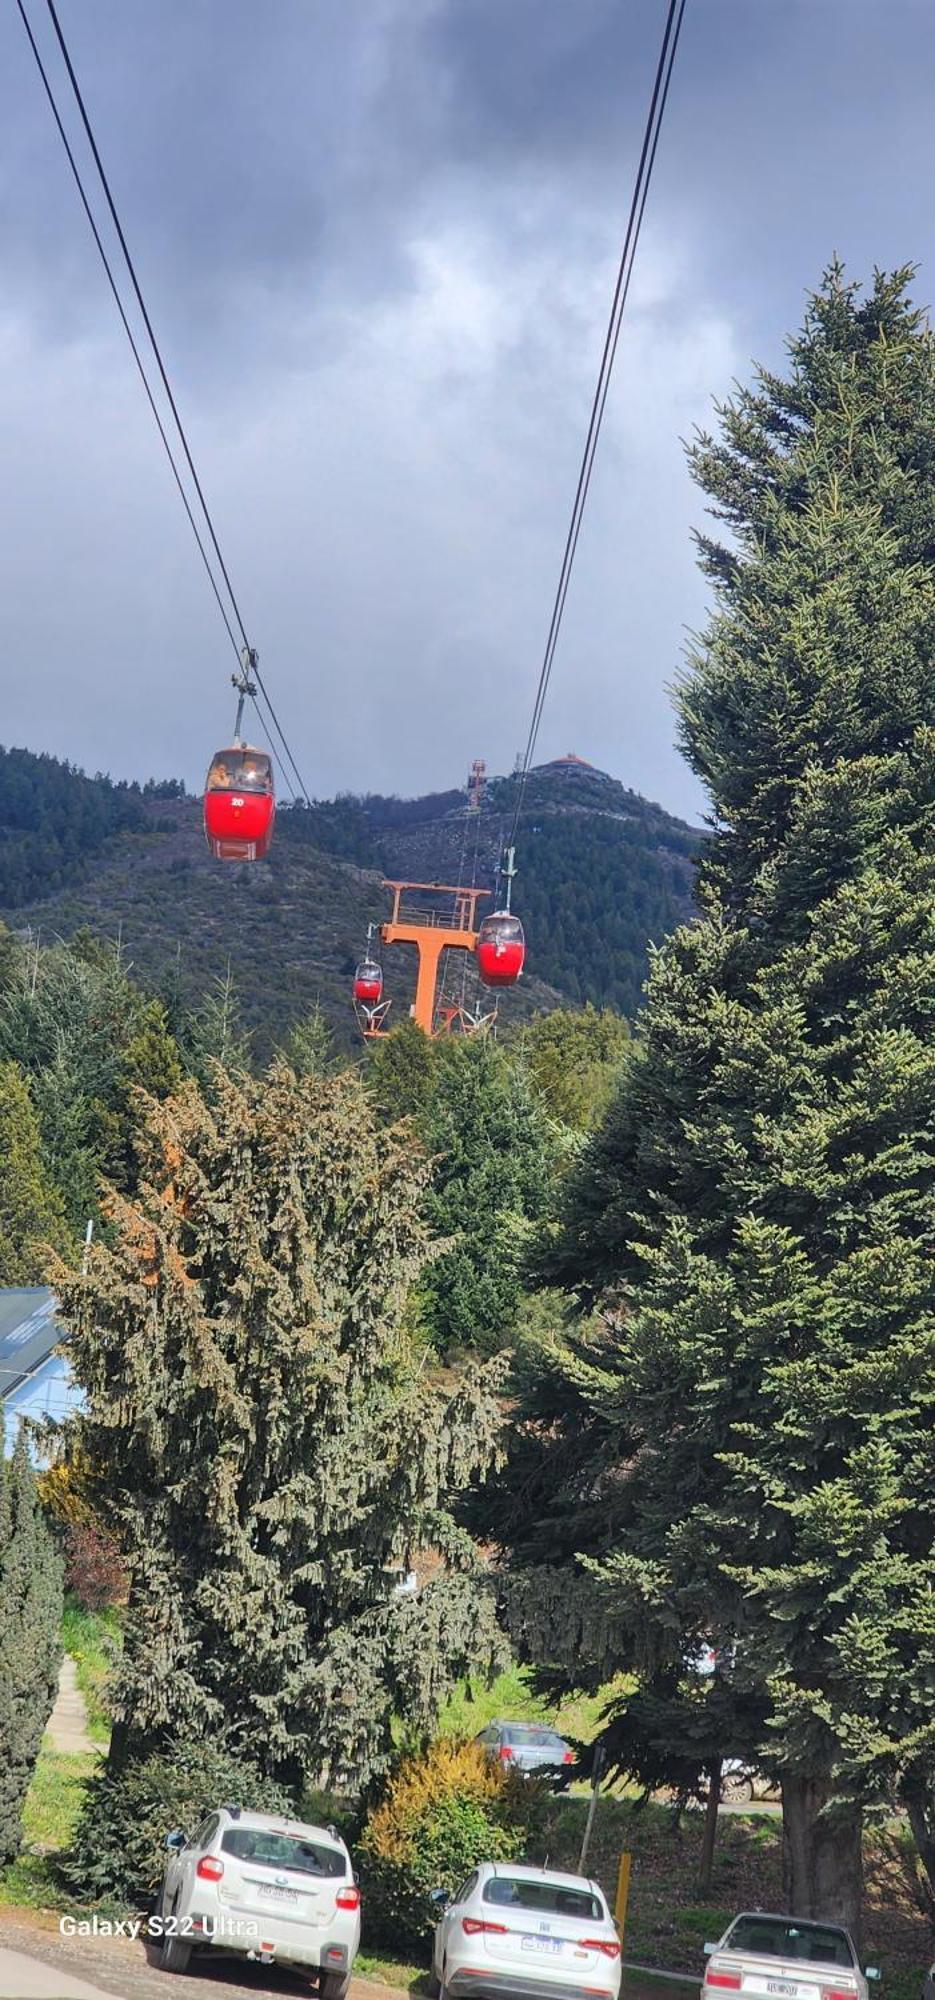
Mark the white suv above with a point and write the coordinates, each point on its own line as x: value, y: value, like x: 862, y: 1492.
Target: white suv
x: 515, y: 1931
x: 269, y: 1888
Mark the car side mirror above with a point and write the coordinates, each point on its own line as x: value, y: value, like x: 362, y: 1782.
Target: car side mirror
x: 708, y: 1949
x: 872, y: 1972
x: 177, y: 1840
x: 439, y: 1898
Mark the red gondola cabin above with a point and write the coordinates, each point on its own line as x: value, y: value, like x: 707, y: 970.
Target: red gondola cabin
x: 240, y: 804
x: 368, y: 983
x: 501, y: 949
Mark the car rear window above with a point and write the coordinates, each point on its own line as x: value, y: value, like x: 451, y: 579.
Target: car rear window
x: 544, y: 1898
x: 283, y: 1850
x: 533, y: 1739
x: 774, y: 1937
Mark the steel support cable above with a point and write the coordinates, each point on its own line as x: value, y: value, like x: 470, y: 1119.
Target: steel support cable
x: 128, y: 330
x: 86, y: 122
x: 660, y: 92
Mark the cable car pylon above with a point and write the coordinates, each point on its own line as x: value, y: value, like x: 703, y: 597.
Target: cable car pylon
x: 416, y: 919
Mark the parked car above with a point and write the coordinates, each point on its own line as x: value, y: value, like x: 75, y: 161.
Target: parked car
x: 268, y: 1888
x: 742, y: 1784
x: 785, y: 1958
x: 518, y: 1931
x: 529, y: 1747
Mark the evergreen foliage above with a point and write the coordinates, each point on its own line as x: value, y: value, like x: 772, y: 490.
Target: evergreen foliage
x: 400, y: 1073
x: 53, y: 820
x: 741, y: 1452
x: 30, y: 1614
x: 492, y: 1158
x: 309, y: 1047
x: 573, y: 1058
x: 215, y: 1033
x: 118, y: 1850
x: 32, y: 1219
x: 261, y: 1436
x: 87, y: 1039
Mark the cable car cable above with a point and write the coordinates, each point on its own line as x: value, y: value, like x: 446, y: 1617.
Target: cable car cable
x: 660, y: 92
x: 141, y: 302
x: 302, y: 788
x: 79, y: 99
x: 126, y: 325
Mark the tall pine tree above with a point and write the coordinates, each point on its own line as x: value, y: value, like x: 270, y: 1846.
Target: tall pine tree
x: 30, y: 1648
x: 264, y: 1438
x: 743, y: 1452
x: 32, y: 1217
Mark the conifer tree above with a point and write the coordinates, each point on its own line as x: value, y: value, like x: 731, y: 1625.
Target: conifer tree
x: 215, y: 1033
x: 265, y: 1440
x: 573, y: 1059
x: 30, y: 1648
x: 742, y: 1452
x: 31, y: 1214
x: 490, y: 1144
x: 309, y: 1047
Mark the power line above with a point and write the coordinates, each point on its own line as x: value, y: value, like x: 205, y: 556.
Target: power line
x: 238, y: 619
x: 660, y: 92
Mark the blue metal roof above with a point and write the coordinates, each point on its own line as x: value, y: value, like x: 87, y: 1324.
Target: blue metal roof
x: 34, y: 1380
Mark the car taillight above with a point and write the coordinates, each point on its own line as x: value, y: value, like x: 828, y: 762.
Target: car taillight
x: 349, y: 1898
x: 506, y: 1754
x: 838, y: 1993
x: 210, y: 1868
x: 569, y: 1757
x: 471, y: 1926
x: 731, y: 1980
x: 609, y: 1946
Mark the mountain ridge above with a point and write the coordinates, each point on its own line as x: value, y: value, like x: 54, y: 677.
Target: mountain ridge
x: 601, y: 872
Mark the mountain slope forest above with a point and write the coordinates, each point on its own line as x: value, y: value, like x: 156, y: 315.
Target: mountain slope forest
x: 602, y: 872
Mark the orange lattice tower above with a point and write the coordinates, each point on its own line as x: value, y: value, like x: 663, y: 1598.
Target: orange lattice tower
x: 432, y: 931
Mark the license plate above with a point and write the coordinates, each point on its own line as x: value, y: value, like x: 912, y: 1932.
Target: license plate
x: 277, y: 1895
x: 546, y: 1944
x: 785, y: 1986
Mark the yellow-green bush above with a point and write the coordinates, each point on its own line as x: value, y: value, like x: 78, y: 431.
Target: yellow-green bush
x: 442, y: 1812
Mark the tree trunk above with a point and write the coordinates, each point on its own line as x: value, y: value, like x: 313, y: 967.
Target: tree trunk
x: 709, y: 1843
x: 822, y: 1862
x: 923, y: 1833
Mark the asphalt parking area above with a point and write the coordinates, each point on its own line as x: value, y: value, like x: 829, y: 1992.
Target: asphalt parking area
x: 131, y: 1970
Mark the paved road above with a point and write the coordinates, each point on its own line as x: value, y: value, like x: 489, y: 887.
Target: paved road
x: 116, y: 1969
x: 25, y: 1978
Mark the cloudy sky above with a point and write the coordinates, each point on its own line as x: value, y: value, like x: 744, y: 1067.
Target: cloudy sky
x: 378, y: 240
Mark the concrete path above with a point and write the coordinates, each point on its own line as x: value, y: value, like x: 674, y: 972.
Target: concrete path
x: 68, y: 1723
x: 23, y: 1978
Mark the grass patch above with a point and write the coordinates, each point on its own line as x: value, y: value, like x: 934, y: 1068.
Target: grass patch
x: 391, y: 1972
x: 53, y: 1801
x: 29, y: 1884
x: 93, y: 1638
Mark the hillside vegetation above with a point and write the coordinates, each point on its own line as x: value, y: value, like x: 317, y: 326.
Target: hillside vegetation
x: 602, y: 872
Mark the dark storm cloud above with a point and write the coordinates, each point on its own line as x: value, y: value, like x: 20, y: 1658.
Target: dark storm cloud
x: 378, y: 238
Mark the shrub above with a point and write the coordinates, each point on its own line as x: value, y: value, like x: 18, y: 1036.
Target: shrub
x: 441, y: 1813
x: 94, y: 1570
x: 119, y: 1845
